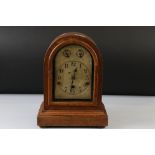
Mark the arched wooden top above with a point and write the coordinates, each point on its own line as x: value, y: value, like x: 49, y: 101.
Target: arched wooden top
x: 58, y: 43
x: 72, y: 37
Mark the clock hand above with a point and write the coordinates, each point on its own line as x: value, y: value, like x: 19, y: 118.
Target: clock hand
x: 75, y: 70
x: 73, y: 78
x: 72, y: 86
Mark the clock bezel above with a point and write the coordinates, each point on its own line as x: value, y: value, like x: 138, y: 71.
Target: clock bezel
x: 55, y: 46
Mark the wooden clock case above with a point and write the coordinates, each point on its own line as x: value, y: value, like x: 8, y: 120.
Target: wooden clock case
x: 74, y: 113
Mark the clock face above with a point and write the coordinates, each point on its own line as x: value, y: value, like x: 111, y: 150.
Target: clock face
x: 73, y: 78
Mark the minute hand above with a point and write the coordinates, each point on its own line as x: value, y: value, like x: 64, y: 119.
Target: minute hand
x: 73, y: 78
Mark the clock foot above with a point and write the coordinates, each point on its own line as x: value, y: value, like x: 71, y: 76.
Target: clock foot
x: 96, y: 117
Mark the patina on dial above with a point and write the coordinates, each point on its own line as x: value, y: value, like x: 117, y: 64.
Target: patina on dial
x: 73, y: 73
x: 73, y: 77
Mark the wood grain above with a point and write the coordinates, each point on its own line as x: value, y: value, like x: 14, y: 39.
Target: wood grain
x: 72, y: 118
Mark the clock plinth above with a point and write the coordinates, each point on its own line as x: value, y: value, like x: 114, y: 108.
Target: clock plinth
x: 79, y: 117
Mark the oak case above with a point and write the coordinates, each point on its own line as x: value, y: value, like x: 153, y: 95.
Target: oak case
x: 77, y: 112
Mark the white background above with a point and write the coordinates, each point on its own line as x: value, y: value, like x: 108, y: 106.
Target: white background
x: 80, y: 141
x: 124, y: 112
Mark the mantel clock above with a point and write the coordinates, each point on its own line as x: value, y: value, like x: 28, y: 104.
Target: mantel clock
x: 72, y: 84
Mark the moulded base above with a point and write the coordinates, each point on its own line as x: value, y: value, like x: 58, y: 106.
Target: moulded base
x: 72, y: 118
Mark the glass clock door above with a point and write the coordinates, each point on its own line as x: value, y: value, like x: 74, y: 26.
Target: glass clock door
x: 73, y: 74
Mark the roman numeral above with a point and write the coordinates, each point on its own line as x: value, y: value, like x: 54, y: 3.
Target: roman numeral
x: 66, y: 65
x: 59, y: 77
x: 61, y: 70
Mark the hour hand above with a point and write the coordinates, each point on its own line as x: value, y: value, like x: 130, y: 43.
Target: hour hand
x: 72, y: 88
x: 75, y: 70
x: 73, y: 77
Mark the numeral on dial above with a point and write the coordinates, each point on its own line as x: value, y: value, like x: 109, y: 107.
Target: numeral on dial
x: 80, y: 89
x: 85, y: 70
x: 59, y: 83
x: 65, y: 89
x: 87, y: 83
x: 66, y: 65
x: 61, y: 70
x: 59, y: 77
